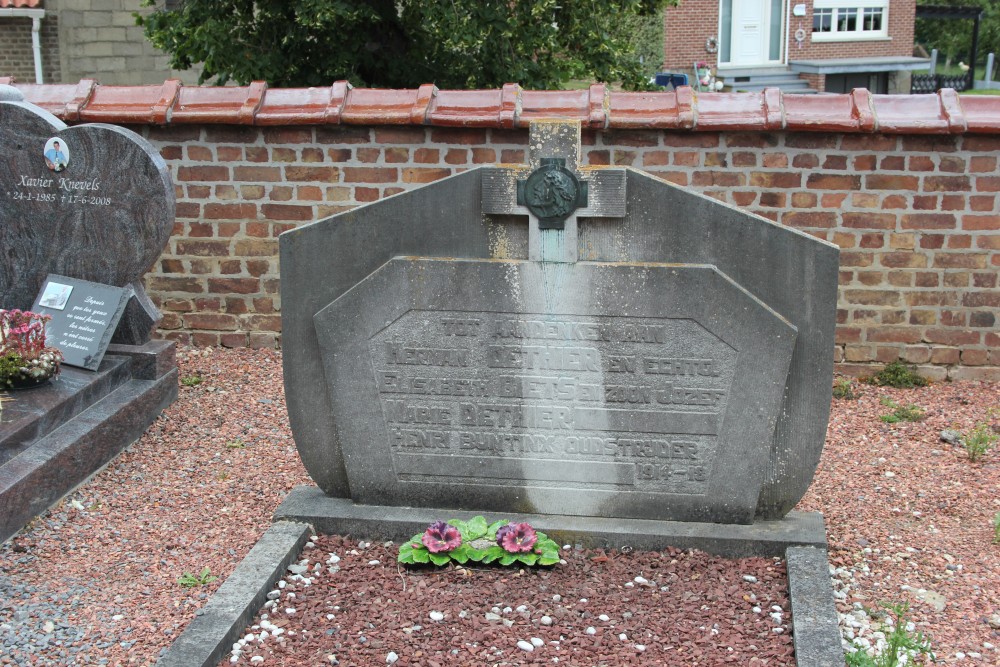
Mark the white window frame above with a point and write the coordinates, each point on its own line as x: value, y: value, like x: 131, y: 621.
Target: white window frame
x: 858, y: 34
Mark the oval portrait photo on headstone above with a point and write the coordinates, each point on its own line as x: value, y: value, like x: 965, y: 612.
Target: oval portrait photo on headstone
x: 56, y: 154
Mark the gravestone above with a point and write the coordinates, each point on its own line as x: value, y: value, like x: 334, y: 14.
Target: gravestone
x: 91, y: 208
x: 93, y: 202
x: 634, y: 351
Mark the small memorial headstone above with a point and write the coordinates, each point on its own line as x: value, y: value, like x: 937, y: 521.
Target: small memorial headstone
x: 84, y: 317
x: 634, y: 351
x: 93, y: 202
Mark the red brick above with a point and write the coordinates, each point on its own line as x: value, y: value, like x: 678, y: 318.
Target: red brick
x: 366, y: 195
x: 810, y: 140
x: 400, y: 135
x: 286, y: 212
x: 869, y: 220
x: 872, y: 297
x: 171, y: 152
x: 744, y: 198
x: 203, y: 248
x: 893, y: 163
x: 981, y: 222
x: 929, y: 221
x: 833, y: 182
x: 891, y: 182
x: 448, y: 135
x: 982, y: 164
x: 289, y: 135
x: 865, y: 162
x: 210, y: 321
x: 230, y: 212
x: 484, y: 156
x: 811, y: 219
x: 257, y: 174
x: 166, y: 284
x: 599, y: 158
x: 692, y: 139
x: 339, y: 154
x: 959, y: 261
x: 951, y: 337
x: 370, y: 174
x: 947, y: 184
x: 256, y: 248
x: 233, y: 285
x: 959, y: 241
x: 745, y: 159
x: 456, y: 156
x: 312, y: 154
x: 944, y: 355
x: 512, y: 156
x: 368, y: 155
x: 776, y: 179
x: 835, y: 162
x: 424, y: 175
x: 313, y: 174
x: 203, y: 173
x: 892, y: 335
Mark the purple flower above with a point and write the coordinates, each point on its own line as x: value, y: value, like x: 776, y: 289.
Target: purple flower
x: 439, y: 537
x: 516, y: 537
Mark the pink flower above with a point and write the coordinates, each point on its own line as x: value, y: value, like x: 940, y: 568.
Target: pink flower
x: 516, y: 537
x: 440, y: 536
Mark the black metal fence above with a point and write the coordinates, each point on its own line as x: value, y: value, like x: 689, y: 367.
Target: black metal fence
x: 931, y: 83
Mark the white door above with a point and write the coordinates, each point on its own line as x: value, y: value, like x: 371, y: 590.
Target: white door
x: 754, y: 31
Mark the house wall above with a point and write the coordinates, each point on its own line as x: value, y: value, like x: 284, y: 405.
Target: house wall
x: 16, y: 55
x: 906, y: 186
x: 689, y: 24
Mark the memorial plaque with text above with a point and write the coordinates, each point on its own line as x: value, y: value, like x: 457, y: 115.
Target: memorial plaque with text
x: 601, y: 390
x: 84, y: 316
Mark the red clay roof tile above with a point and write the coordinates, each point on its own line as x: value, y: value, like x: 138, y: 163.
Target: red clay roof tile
x: 596, y: 107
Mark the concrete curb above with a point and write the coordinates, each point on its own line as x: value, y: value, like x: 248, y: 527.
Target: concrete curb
x: 207, y: 639
x: 815, y: 627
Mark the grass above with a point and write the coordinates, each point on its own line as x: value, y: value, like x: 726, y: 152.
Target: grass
x: 898, y: 376
x: 996, y: 528
x: 843, y: 389
x: 188, y: 580
x: 236, y: 444
x: 978, y: 441
x: 191, y: 380
x: 901, y: 413
x: 903, y: 643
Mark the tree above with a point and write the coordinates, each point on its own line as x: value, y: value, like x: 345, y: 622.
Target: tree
x: 404, y: 43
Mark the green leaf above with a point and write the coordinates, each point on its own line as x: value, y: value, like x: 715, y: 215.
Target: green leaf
x: 474, y: 554
x: 460, y: 554
x: 439, y: 559
x: 546, y: 559
x: 463, y: 528
x: 477, y: 527
x: 528, y: 558
x: 508, y: 559
x: 492, y: 554
x: 421, y: 555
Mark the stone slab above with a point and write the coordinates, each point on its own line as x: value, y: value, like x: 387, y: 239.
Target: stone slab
x: 217, y: 625
x: 792, y: 273
x: 643, y: 391
x: 110, y: 189
x: 340, y: 516
x: 816, y: 628
x: 60, y: 435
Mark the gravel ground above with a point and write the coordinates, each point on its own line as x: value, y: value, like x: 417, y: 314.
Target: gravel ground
x: 94, y: 581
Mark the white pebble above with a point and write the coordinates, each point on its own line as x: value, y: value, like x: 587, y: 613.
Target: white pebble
x: 546, y: 620
x: 507, y: 610
x: 591, y: 630
x: 604, y: 617
x: 289, y: 610
x: 777, y: 631
x: 234, y: 659
x: 775, y: 608
x: 640, y: 647
x: 298, y: 569
x: 749, y: 578
x: 373, y: 562
x: 525, y: 646
x: 333, y: 559
x: 310, y: 545
x: 257, y: 659
x: 291, y: 596
x: 629, y: 584
x: 391, y: 658
x: 263, y: 635
x: 623, y: 636
x: 330, y: 617
x: 642, y: 581
x: 521, y: 609
x: 537, y: 642
x: 436, y: 616
x: 960, y: 656
x: 282, y: 584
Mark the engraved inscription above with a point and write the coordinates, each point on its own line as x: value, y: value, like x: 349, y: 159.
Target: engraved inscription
x: 560, y: 401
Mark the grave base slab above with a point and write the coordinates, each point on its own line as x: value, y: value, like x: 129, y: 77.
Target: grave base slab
x: 341, y: 516
x: 54, y: 438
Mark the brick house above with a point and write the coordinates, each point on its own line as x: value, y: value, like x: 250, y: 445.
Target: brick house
x: 825, y: 45
x: 63, y: 41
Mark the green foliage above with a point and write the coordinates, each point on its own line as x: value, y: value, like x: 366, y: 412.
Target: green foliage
x: 403, y: 43
x: 996, y: 528
x: 236, y: 443
x: 479, y: 546
x: 979, y: 440
x: 192, y: 380
x: 188, y: 580
x: 901, y: 413
x: 10, y: 369
x: 843, y: 389
x: 898, y: 375
x: 902, y: 645
x: 953, y: 37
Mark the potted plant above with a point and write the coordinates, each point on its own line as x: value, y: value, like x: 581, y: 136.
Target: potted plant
x: 25, y: 360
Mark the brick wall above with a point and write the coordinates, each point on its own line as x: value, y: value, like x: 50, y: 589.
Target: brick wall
x: 907, y: 186
x: 16, y: 56
x: 916, y: 218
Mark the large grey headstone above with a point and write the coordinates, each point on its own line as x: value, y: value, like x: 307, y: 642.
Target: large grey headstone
x: 93, y: 202
x: 671, y: 362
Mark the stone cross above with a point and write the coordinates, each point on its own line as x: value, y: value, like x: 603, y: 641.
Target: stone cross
x: 554, y: 191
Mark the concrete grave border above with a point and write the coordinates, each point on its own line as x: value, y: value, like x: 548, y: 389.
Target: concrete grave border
x: 800, y: 538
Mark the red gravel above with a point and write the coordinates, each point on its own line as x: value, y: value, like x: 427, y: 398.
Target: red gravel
x: 199, y: 489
